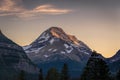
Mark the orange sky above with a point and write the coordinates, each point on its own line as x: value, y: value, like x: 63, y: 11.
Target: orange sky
x: 106, y: 44
x: 95, y: 23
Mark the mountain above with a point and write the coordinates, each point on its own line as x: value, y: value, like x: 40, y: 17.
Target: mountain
x: 13, y: 59
x: 54, y: 47
x: 115, y: 57
x: 114, y: 62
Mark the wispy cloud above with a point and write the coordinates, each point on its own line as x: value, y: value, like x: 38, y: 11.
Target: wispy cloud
x: 50, y: 9
x: 11, y: 8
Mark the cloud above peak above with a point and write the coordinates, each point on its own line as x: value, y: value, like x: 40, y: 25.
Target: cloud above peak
x: 50, y: 9
x: 13, y: 8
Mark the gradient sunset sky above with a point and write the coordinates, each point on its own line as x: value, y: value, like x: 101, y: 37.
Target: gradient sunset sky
x: 95, y: 22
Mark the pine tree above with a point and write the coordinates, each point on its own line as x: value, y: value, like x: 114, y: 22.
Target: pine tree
x: 96, y: 69
x: 40, y: 75
x: 22, y: 75
x: 52, y: 74
x: 118, y: 75
x: 64, y: 72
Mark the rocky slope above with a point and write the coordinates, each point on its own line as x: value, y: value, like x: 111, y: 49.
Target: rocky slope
x: 114, y: 62
x: 13, y: 59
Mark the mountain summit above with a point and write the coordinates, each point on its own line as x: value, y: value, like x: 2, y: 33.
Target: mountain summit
x: 59, y: 33
x: 55, y: 47
x: 4, y: 39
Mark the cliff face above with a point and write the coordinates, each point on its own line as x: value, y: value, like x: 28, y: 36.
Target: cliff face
x: 13, y: 59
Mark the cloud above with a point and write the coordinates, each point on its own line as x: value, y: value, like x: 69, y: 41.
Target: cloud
x: 43, y: 9
x: 50, y: 9
x: 11, y: 8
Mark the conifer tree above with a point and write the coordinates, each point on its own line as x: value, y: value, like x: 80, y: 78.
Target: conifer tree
x: 52, y: 74
x: 64, y: 72
x: 118, y: 75
x: 40, y: 75
x: 22, y: 75
x: 96, y: 69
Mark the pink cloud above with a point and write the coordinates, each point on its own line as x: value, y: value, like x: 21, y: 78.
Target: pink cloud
x: 10, y: 7
x: 50, y: 9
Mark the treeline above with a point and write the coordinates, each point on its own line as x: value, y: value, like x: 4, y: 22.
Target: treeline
x: 96, y: 69
x: 52, y: 74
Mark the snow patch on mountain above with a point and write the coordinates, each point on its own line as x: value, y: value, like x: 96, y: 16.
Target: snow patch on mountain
x: 54, y: 50
x: 52, y: 40
x: 46, y: 56
x: 62, y: 52
x: 66, y: 45
x: 49, y: 49
x: 44, y: 37
x: 27, y: 47
x: 34, y: 50
x: 69, y: 49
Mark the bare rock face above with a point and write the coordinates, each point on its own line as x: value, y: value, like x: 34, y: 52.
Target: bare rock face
x: 13, y: 59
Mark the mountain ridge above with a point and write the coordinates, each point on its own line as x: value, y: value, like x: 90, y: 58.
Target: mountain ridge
x: 13, y: 59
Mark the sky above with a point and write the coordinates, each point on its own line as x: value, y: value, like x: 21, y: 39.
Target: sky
x: 95, y: 22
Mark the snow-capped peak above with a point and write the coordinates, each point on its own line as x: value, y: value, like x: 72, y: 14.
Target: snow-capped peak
x: 55, y: 34
x: 54, y: 45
